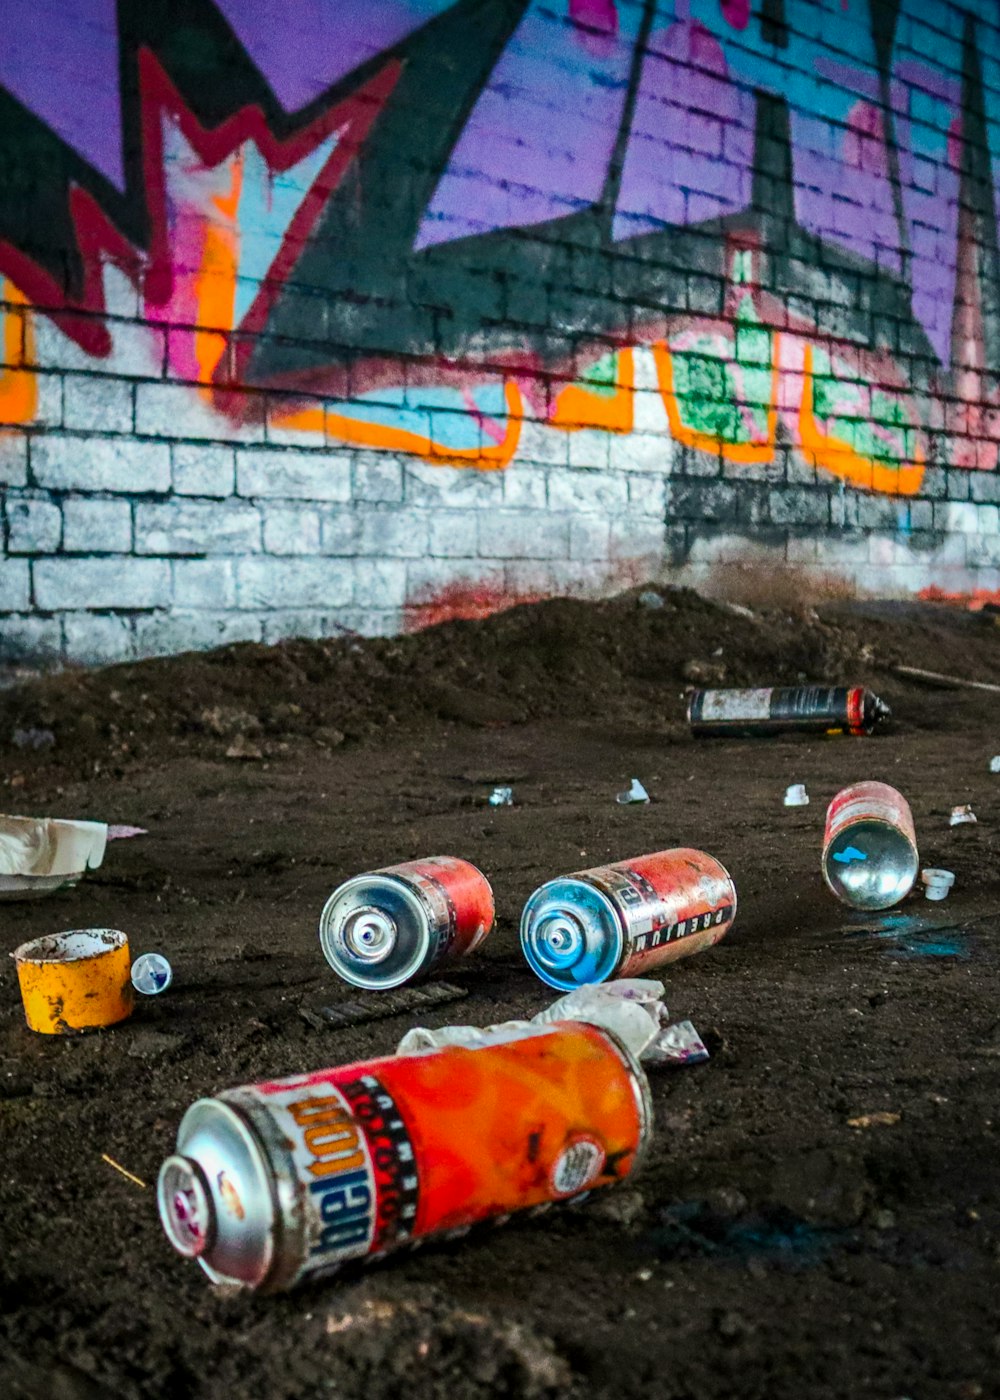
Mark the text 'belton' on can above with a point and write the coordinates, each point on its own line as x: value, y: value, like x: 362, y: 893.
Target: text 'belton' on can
x: 278, y: 1182
x: 624, y: 920
x: 816, y: 709
x: 395, y: 925
x: 870, y: 858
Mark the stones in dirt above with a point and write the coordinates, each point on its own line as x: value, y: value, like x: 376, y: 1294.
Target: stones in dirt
x: 245, y: 749
x: 704, y: 672
x: 225, y: 721
x: 618, y: 1207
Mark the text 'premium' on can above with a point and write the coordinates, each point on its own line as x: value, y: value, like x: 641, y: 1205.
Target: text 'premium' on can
x: 815, y: 709
x: 870, y: 858
x: 279, y: 1182
x: 624, y: 920
x: 391, y: 926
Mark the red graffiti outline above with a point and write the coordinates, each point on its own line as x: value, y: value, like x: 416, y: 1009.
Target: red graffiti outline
x: 97, y: 239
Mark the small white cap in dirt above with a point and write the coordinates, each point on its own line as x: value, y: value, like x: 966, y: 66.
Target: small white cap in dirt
x: 937, y: 883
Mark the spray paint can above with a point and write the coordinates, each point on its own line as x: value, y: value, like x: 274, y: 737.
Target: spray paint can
x: 280, y: 1182
x: 624, y: 920
x: 870, y: 858
x: 811, y: 709
x: 395, y: 925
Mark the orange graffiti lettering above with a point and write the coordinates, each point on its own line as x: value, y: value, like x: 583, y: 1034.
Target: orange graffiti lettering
x: 491, y: 457
x: 18, y: 387
x: 581, y: 407
x: 834, y: 455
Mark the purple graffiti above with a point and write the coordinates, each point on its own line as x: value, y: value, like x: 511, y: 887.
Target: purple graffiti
x: 61, y: 61
x: 304, y: 47
x: 539, y: 140
x: 690, y: 152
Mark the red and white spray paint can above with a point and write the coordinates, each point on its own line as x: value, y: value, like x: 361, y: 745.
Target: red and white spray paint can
x: 624, y: 920
x: 870, y: 858
x: 396, y: 925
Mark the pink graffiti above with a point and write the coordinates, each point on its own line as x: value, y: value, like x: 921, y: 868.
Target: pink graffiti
x: 736, y: 12
x: 955, y: 143
x: 596, y: 22
x: 864, y: 141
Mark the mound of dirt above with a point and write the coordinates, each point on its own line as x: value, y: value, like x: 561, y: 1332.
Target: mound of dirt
x: 628, y: 659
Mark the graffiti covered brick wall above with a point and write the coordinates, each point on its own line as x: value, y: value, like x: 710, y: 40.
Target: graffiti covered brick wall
x: 340, y: 314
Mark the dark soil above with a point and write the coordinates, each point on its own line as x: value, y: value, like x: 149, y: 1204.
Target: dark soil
x: 768, y: 1248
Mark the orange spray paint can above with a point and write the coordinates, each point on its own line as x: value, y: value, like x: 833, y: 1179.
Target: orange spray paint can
x: 276, y: 1183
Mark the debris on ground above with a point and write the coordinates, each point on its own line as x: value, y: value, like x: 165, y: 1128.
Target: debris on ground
x: 34, y: 739
x: 796, y: 795
x: 380, y: 1006
x: 880, y: 1119
x: 635, y: 793
x: 785, y: 1258
x: 151, y: 974
x: 75, y: 981
x: 501, y: 797
x: 962, y: 816
x: 631, y: 1008
x: 244, y: 748
x: 937, y: 882
x: 41, y: 854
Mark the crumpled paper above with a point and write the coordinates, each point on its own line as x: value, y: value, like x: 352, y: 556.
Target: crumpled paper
x: 631, y: 1008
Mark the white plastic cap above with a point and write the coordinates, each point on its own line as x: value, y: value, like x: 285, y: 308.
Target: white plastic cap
x: 937, y: 883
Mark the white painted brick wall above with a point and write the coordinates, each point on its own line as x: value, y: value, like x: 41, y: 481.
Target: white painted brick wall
x: 66, y: 463
x: 15, y: 585
x: 197, y: 527
x: 97, y: 404
x: 308, y: 476
x: 101, y: 583
x: 202, y: 470
x: 291, y: 529
x: 33, y: 526
x: 97, y: 526
x: 294, y: 583
x: 119, y: 545
x: 13, y: 459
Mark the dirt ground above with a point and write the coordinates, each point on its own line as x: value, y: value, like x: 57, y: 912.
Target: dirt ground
x: 768, y: 1248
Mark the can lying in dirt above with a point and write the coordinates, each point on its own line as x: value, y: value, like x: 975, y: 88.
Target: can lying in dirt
x: 624, y: 920
x: 280, y: 1182
x: 395, y: 925
x: 870, y: 858
x: 813, y: 709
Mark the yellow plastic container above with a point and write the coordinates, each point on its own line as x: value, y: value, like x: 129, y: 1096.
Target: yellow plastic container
x: 75, y: 981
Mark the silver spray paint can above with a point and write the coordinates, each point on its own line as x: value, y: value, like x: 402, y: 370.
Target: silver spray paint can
x: 392, y: 926
x: 870, y: 858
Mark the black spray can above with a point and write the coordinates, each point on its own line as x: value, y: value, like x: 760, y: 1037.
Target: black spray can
x: 810, y: 709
